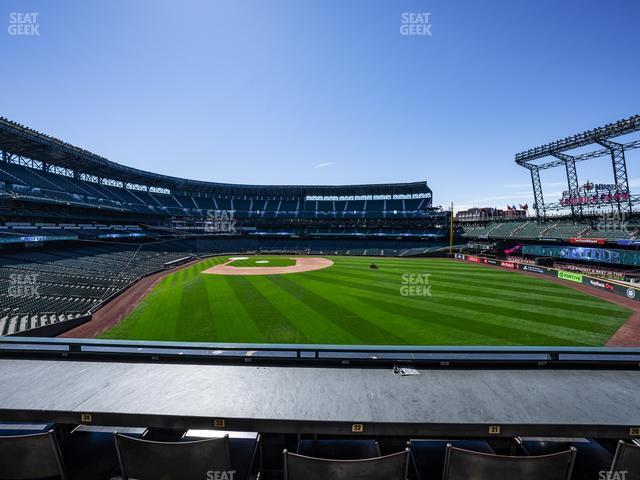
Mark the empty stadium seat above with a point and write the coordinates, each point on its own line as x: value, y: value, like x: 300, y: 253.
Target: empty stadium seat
x: 591, y: 457
x: 16, y: 429
x: 428, y: 455
x: 627, y: 459
x: 35, y: 456
x: 90, y: 453
x: 463, y: 464
x: 390, y: 467
x: 244, y: 449
x: 339, y: 449
x: 150, y: 460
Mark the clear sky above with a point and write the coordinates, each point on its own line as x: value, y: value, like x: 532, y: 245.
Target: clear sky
x: 327, y: 91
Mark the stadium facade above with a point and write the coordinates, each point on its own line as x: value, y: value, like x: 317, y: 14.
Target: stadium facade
x: 50, y: 180
x: 78, y: 230
x: 94, y: 227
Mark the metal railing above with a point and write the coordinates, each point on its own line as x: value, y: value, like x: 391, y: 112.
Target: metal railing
x: 313, y: 354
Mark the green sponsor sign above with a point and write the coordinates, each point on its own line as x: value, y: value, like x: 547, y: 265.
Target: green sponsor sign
x: 571, y: 276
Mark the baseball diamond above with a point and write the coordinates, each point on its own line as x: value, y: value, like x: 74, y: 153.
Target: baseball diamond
x: 349, y: 303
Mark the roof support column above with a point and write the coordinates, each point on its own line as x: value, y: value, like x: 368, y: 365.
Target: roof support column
x: 538, y: 199
x: 572, y: 178
x: 620, y: 176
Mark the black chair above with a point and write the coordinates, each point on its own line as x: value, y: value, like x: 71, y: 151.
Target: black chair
x: 627, y: 459
x: 89, y: 451
x: 34, y: 456
x: 244, y: 449
x: 462, y: 464
x: 339, y: 449
x: 148, y: 460
x: 390, y: 467
x: 428, y: 455
x: 15, y: 429
x: 591, y: 457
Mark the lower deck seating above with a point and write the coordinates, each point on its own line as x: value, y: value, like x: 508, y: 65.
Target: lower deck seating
x: 102, y: 453
x: 53, y: 284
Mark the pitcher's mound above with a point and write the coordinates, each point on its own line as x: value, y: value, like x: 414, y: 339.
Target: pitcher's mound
x: 302, y: 265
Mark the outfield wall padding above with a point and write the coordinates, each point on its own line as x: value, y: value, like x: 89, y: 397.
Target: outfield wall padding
x: 593, y: 282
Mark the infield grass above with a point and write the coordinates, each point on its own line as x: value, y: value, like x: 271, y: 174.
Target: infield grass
x: 349, y: 303
x: 264, y: 261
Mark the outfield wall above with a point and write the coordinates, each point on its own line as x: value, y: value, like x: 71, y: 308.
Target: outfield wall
x: 576, y: 277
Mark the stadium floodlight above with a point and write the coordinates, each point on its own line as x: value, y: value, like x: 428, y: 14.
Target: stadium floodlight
x: 601, y: 136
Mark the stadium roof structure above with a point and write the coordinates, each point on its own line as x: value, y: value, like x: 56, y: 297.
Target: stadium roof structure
x: 25, y: 142
x: 600, y: 136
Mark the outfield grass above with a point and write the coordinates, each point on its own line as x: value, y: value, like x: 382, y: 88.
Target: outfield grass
x: 258, y: 261
x: 349, y: 303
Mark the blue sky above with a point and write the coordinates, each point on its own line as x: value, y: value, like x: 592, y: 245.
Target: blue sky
x: 327, y: 92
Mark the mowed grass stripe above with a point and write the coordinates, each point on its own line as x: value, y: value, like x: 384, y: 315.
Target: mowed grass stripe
x: 273, y: 326
x: 233, y: 323
x: 507, y: 281
x: 415, y: 328
x: 523, y: 300
x: 198, y: 322
x: 429, y: 303
x: 357, y: 326
x: 351, y: 303
x: 526, y: 296
x: 501, y: 317
x: 316, y: 326
x: 140, y: 324
x: 473, y: 325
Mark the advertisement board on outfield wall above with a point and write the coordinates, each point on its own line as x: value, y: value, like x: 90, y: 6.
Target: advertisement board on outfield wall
x: 571, y: 276
x: 536, y: 269
x: 613, y: 287
x: 601, y: 284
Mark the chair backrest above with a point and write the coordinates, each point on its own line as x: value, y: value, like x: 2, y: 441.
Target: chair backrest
x: 148, y: 460
x: 390, y: 467
x: 31, y: 457
x: 464, y: 464
x: 339, y: 449
x: 627, y: 459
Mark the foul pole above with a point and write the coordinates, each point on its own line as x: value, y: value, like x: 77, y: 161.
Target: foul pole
x: 451, y: 232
